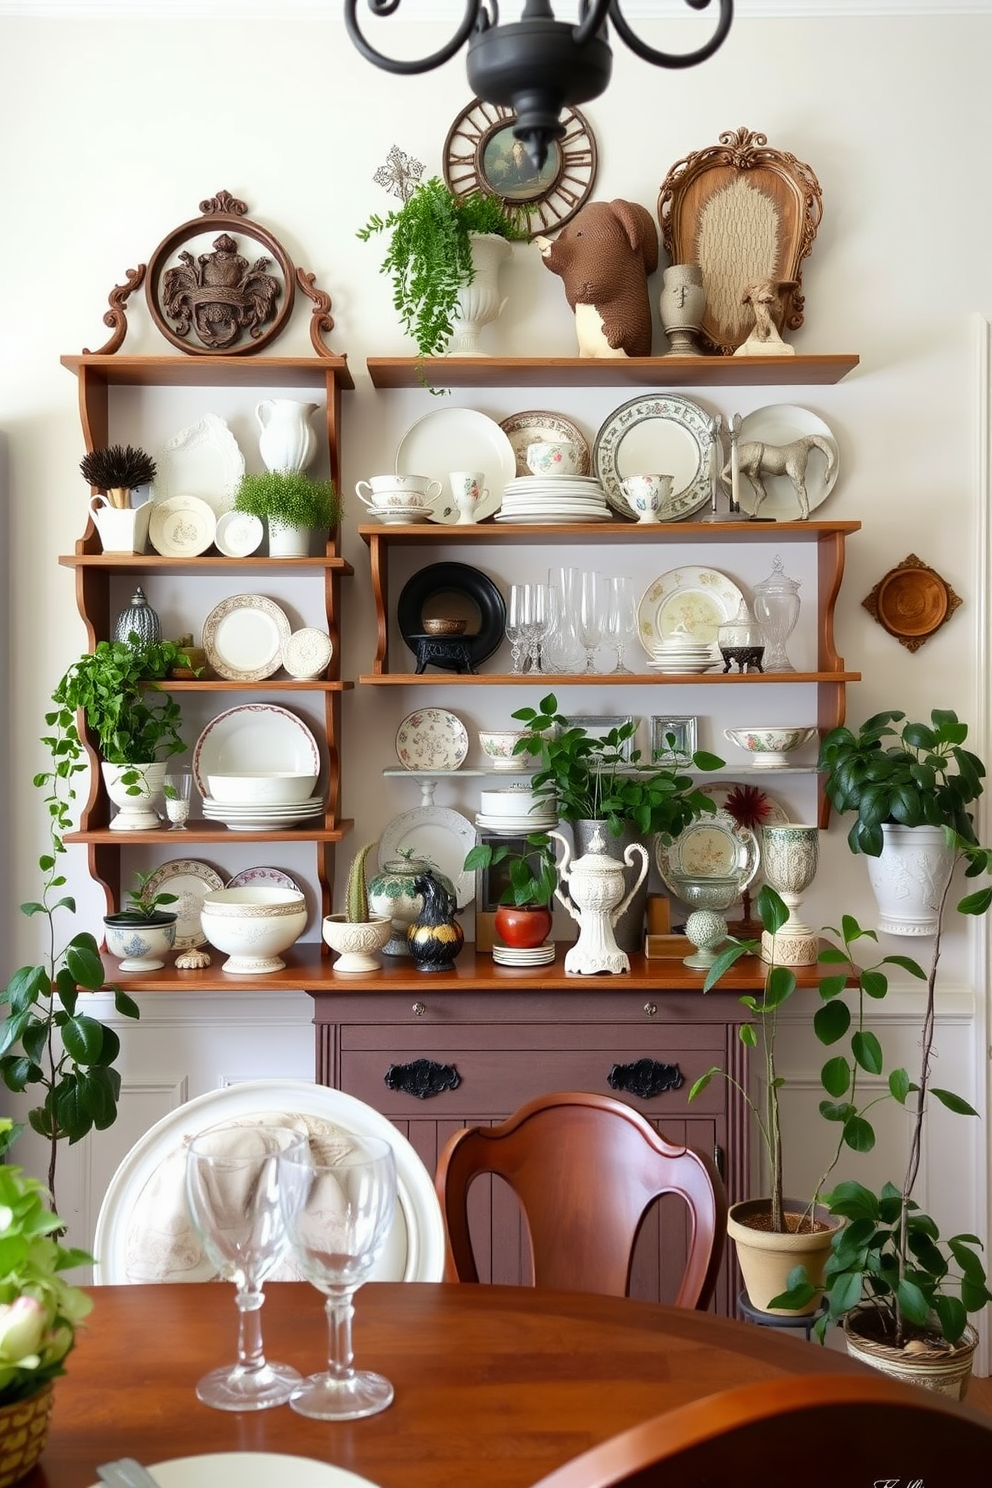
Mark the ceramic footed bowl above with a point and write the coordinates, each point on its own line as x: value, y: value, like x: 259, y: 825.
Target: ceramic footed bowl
x: 253, y: 926
x: 770, y: 744
x: 498, y: 746
x: 357, y: 942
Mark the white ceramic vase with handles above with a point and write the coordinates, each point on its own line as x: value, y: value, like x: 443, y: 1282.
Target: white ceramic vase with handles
x: 287, y: 441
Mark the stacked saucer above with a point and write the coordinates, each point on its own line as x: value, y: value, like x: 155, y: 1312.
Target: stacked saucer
x: 516, y: 826
x: 259, y: 816
x: 554, y: 499
x: 682, y: 654
x: 541, y: 955
x: 398, y: 515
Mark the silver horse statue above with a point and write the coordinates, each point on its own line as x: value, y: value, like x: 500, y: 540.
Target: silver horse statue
x: 756, y: 460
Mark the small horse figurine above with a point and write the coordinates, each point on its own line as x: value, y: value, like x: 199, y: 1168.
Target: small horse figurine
x: 756, y: 460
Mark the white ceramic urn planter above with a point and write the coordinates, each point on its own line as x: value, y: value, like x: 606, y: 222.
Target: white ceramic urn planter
x: 909, y: 879
x: 135, y: 812
x: 479, y: 301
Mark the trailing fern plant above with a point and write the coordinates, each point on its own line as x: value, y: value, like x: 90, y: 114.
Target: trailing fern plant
x: 430, y: 256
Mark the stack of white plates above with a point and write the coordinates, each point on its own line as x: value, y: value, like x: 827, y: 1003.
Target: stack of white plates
x: 261, y: 817
x: 682, y: 654
x: 515, y: 956
x: 516, y: 826
x: 554, y: 499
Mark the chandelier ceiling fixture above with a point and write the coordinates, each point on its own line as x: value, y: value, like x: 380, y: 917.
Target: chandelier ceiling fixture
x: 537, y: 65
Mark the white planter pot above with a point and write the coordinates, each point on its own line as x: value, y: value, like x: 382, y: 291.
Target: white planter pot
x: 135, y: 812
x: 288, y: 542
x: 479, y: 302
x: 909, y: 879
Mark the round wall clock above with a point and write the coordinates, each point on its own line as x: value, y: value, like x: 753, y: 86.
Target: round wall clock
x: 481, y: 154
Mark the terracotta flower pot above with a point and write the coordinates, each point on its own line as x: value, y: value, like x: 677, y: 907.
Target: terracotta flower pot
x: 523, y: 926
x: 767, y: 1258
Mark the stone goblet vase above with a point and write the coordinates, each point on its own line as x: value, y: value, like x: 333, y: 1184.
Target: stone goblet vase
x: 708, y: 896
x: 789, y: 860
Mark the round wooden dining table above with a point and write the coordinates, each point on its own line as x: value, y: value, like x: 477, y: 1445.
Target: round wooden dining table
x: 495, y: 1386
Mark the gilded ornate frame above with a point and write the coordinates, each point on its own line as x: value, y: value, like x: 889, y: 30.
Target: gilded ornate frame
x: 743, y: 213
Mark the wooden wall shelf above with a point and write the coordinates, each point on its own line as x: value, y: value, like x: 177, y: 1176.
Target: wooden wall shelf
x: 667, y: 371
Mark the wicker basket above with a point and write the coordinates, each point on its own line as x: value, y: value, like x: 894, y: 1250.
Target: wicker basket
x: 946, y: 1371
x: 23, y: 1433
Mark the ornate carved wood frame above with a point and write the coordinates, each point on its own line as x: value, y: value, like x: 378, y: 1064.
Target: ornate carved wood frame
x: 480, y: 154
x: 743, y: 213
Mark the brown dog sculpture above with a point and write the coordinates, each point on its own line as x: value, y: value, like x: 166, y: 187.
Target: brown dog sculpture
x: 604, y: 256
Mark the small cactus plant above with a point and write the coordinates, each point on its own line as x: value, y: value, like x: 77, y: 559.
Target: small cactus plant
x: 356, y: 894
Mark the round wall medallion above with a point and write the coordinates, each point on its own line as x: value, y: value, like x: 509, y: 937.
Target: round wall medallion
x: 482, y: 154
x: 912, y: 602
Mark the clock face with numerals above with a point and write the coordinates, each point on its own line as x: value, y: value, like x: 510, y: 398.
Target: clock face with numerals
x: 481, y: 154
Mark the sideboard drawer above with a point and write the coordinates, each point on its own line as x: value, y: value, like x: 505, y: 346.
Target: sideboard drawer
x: 494, y: 1075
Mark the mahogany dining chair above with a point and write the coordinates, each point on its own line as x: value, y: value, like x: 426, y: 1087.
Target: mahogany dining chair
x: 585, y: 1169
x: 822, y: 1431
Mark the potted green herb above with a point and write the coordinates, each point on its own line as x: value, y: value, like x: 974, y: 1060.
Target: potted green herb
x: 905, y: 785
x: 357, y: 935
x: 430, y: 257
x: 600, y: 779
x: 48, y: 1038
x: 292, y: 504
x: 523, y: 915
x: 134, y: 723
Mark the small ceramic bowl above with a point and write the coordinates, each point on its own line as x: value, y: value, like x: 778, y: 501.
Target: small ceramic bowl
x: 444, y: 627
x: 770, y: 744
x: 498, y: 746
x: 140, y: 947
x: 270, y: 787
x: 554, y: 457
x: 253, y: 926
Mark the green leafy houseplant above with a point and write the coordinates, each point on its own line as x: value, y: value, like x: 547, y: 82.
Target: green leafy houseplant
x: 142, y: 903
x: 39, y: 1310
x: 597, y: 779
x: 924, y: 778
x: 532, y: 874
x: 289, y: 496
x: 46, y: 1037
x: 132, y: 720
x: 430, y: 256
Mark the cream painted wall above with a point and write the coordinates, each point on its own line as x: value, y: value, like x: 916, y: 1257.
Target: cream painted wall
x: 113, y: 134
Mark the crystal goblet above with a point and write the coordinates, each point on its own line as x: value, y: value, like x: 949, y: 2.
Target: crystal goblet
x: 338, y: 1232
x: 233, y: 1187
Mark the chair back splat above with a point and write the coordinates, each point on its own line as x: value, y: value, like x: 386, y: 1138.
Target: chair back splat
x: 585, y: 1169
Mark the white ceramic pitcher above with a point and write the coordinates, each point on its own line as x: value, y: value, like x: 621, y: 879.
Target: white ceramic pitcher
x: 287, y: 442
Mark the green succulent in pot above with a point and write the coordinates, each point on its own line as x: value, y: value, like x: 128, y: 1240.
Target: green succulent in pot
x: 429, y: 256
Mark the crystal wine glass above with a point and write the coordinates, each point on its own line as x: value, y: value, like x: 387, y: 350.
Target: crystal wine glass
x: 591, y: 613
x: 233, y: 1190
x: 536, y: 623
x: 338, y: 1233
x: 515, y: 620
x: 621, y: 618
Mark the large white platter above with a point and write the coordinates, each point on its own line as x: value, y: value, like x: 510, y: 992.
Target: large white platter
x: 253, y: 1470
x: 243, y: 637
x: 779, y: 424
x: 441, y: 836
x: 690, y: 599
x: 189, y: 880
x: 458, y: 439
x: 254, y: 738
x: 204, y: 460
x: 662, y: 434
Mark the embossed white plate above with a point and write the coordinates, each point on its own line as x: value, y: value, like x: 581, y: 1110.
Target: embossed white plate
x: 204, y: 460
x: 254, y: 738
x: 307, y: 652
x: 243, y: 637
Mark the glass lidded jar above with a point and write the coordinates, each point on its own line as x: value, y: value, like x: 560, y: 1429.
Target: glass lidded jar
x: 776, y: 608
x: 740, y: 641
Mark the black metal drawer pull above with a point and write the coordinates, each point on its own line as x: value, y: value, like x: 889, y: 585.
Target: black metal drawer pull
x: 645, y: 1077
x: 424, y: 1078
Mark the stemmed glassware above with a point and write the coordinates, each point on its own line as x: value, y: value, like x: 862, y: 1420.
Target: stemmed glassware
x: 591, y: 601
x: 338, y: 1233
x: 562, y: 651
x: 621, y: 618
x: 233, y: 1187
x: 515, y: 620
x: 536, y: 620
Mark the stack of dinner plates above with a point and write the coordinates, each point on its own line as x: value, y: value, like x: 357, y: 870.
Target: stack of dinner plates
x: 516, y: 826
x: 516, y: 956
x: 259, y: 816
x: 554, y: 499
x: 682, y: 654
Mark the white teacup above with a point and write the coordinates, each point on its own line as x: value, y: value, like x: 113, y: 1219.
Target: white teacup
x: 387, y: 491
x: 554, y: 457
x: 647, y: 494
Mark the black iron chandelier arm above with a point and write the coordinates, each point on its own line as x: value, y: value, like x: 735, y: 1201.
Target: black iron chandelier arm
x: 666, y: 59
x: 479, y: 16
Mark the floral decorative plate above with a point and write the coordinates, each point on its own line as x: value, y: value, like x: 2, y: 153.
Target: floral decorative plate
x: 710, y: 847
x: 272, y: 878
x: 204, y: 460
x: 535, y: 426
x: 663, y: 433
x: 432, y: 739
x: 243, y: 637
x: 181, y: 527
x: 189, y: 880
x: 692, y: 601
